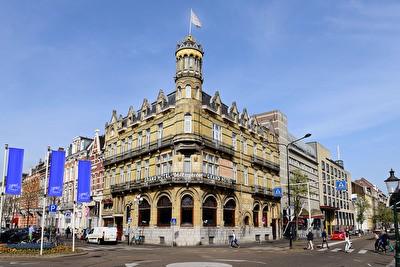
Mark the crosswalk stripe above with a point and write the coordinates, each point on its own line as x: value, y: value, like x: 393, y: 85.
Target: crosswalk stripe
x: 363, y: 251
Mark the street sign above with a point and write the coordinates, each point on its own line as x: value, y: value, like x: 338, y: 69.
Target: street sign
x: 278, y: 192
x: 263, y: 219
x: 173, y: 221
x: 341, y: 185
x: 68, y: 220
x: 52, y: 214
x: 130, y: 220
x: 68, y: 214
x: 52, y: 207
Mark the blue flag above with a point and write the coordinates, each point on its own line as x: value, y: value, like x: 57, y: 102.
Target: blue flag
x: 14, y: 171
x: 84, y: 168
x: 56, y: 173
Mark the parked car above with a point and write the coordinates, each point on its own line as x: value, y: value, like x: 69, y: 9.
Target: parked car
x: 338, y: 235
x: 16, y: 233
x: 100, y: 235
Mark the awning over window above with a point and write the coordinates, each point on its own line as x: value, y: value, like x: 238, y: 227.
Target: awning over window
x: 315, y: 214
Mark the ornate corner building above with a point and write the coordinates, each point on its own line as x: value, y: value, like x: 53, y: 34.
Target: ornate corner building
x: 187, y: 169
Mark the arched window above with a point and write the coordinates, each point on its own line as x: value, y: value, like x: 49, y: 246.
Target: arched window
x: 265, y: 215
x: 188, y: 92
x: 187, y: 211
x: 256, y: 211
x: 210, y: 212
x: 144, y: 213
x: 229, y: 213
x: 164, y: 211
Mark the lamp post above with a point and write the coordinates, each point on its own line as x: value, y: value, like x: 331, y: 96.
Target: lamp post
x: 128, y: 217
x: 138, y: 199
x: 288, y: 181
x: 392, y: 184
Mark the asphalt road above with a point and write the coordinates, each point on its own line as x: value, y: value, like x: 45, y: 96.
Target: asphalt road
x: 274, y: 253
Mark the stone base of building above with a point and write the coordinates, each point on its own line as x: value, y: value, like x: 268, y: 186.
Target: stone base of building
x: 197, y: 236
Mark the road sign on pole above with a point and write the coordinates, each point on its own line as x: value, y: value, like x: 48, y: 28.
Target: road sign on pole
x: 52, y: 207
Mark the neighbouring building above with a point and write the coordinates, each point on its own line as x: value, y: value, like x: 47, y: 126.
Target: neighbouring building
x: 188, y: 169
x: 76, y: 151
x: 335, y: 198
x: 301, y: 157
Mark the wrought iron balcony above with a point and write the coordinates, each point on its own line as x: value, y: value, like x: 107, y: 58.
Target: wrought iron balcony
x: 139, y: 151
x: 175, y: 178
x: 265, y: 163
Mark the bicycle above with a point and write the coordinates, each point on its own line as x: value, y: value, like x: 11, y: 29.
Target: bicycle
x: 137, y: 239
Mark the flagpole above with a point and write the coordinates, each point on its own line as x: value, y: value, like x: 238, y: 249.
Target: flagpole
x: 2, y: 185
x: 44, y: 200
x: 74, y: 201
x: 190, y: 22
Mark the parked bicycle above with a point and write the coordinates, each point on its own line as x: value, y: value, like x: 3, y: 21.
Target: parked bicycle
x: 137, y: 239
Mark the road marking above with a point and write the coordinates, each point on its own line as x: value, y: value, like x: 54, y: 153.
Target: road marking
x: 336, y: 249
x: 363, y: 251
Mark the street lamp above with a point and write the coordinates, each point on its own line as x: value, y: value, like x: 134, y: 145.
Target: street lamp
x: 392, y: 184
x: 138, y: 199
x: 128, y: 216
x: 288, y: 181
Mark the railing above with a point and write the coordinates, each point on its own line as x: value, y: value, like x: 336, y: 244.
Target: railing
x: 135, y: 152
x: 176, y: 178
x: 265, y: 163
x: 218, y: 145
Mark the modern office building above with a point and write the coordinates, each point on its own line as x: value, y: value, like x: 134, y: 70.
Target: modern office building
x: 302, y: 157
x: 335, y: 190
x: 188, y: 169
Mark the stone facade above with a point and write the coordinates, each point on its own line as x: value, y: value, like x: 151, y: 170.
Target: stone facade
x: 188, y: 169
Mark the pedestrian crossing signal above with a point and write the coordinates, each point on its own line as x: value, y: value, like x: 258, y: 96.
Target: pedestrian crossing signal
x: 341, y: 185
x: 278, y: 192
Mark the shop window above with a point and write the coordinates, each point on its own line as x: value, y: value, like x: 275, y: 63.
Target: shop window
x: 164, y: 211
x: 187, y: 211
x: 210, y: 212
x: 229, y: 213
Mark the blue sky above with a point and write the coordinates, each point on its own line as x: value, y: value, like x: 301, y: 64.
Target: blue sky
x: 331, y: 66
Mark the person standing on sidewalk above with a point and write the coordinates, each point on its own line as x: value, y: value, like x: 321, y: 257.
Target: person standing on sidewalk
x: 324, y: 239
x: 234, y: 239
x: 310, y: 238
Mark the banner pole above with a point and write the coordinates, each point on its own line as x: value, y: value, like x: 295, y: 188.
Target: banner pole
x: 74, y: 201
x: 2, y: 185
x: 44, y: 200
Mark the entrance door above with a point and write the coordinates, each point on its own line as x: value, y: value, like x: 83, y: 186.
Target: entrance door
x: 118, y: 222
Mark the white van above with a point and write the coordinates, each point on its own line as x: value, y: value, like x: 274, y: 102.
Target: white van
x: 100, y: 235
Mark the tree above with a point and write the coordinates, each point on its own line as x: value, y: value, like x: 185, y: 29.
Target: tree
x: 298, y: 194
x: 384, y: 216
x: 362, y: 205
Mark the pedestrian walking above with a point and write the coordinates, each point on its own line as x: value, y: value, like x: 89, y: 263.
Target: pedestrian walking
x: 68, y: 232
x: 385, y: 238
x: 310, y: 238
x: 376, y: 238
x: 324, y: 239
x: 347, y: 243
x: 30, y: 232
x: 234, y: 240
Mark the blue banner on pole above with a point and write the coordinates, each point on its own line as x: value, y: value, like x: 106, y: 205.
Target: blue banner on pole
x: 84, y: 168
x: 56, y: 173
x: 14, y: 171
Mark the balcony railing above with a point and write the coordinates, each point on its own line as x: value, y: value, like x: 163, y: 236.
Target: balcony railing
x: 187, y: 179
x: 136, y: 152
x: 175, y: 178
x: 218, y: 145
x: 265, y: 163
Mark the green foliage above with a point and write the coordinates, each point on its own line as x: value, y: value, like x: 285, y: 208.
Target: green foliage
x: 362, y: 206
x: 384, y: 215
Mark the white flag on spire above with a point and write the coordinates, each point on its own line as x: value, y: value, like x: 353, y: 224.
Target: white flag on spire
x: 194, y: 19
